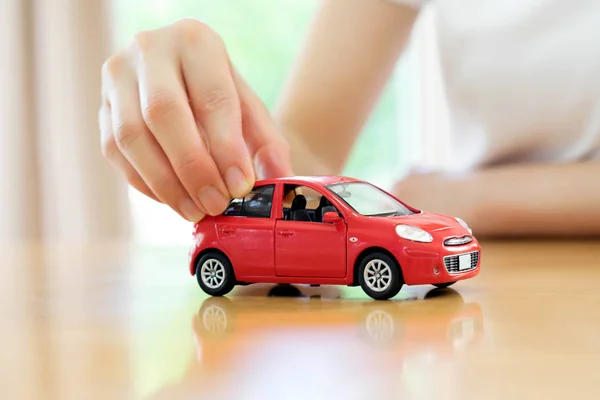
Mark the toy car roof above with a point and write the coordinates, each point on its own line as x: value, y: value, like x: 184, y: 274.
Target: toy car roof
x: 319, y: 179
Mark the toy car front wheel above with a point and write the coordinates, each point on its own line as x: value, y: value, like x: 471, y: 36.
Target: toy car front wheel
x: 215, y: 274
x: 380, y: 276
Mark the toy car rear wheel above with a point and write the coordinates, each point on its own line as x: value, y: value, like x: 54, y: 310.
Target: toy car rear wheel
x: 444, y: 285
x: 380, y: 276
x: 215, y: 274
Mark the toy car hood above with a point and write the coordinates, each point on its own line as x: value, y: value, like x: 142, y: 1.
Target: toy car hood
x: 428, y: 221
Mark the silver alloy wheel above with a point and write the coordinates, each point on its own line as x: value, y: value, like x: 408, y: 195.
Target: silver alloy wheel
x: 214, y: 319
x: 378, y: 275
x: 212, y: 273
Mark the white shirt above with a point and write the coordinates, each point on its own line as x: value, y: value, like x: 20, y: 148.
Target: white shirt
x: 521, y: 78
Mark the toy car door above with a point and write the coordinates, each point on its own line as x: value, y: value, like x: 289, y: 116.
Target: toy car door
x: 246, y: 232
x: 305, y: 245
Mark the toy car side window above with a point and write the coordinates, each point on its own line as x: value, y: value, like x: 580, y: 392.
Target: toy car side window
x: 302, y: 203
x: 258, y: 202
x: 234, y: 208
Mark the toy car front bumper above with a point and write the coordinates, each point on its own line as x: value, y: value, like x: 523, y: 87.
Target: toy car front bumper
x: 423, y: 265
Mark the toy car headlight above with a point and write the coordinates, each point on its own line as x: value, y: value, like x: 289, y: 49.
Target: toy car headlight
x: 413, y: 233
x: 464, y: 224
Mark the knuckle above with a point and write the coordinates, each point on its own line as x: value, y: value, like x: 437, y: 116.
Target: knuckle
x: 112, y: 67
x: 126, y: 134
x: 216, y: 99
x: 188, y: 162
x: 159, y: 105
x: 193, y: 31
x: 163, y: 185
x: 227, y: 148
x: 192, y: 25
x: 144, y: 40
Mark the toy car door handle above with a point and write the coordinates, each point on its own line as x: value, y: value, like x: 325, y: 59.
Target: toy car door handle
x: 285, y: 233
x: 227, y: 229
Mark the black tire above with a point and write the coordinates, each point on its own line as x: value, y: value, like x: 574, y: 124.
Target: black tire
x: 444, y: 285
x: 226, y: 284
x: 395, y: 284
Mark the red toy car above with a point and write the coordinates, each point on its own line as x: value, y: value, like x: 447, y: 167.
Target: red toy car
x: 329, y: 230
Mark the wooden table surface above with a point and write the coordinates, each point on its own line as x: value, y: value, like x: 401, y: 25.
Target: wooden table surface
x: 127, y: 322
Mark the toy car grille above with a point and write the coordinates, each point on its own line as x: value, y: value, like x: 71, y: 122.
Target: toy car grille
x: 453, y: 265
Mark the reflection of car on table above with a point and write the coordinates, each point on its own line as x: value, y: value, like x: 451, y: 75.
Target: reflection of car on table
x: 330, y: 231
x: 238, y: 339
x: 442, y: 322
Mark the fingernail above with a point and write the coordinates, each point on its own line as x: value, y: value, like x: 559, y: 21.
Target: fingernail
x: 237, y: 183
x: 214, y: 202
x: 189, y: 209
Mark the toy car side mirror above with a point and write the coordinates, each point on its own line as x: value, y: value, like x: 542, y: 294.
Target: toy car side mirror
x: 331, y: 217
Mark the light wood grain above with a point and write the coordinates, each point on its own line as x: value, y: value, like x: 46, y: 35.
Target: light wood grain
x: 123, y: 322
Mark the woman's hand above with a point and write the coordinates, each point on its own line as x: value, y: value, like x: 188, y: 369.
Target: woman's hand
x: 182, y: 126
x: 513, y: 200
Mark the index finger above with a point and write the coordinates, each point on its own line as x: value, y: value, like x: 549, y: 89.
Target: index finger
x: 216, y: 106
x: 167, y: 114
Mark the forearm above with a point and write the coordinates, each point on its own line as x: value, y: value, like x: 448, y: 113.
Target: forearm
x: 350, y: 52
x: 519, y: 200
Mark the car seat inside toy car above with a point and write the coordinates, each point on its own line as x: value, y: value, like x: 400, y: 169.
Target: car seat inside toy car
x: 298, y: 209
x: 319, y: 212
